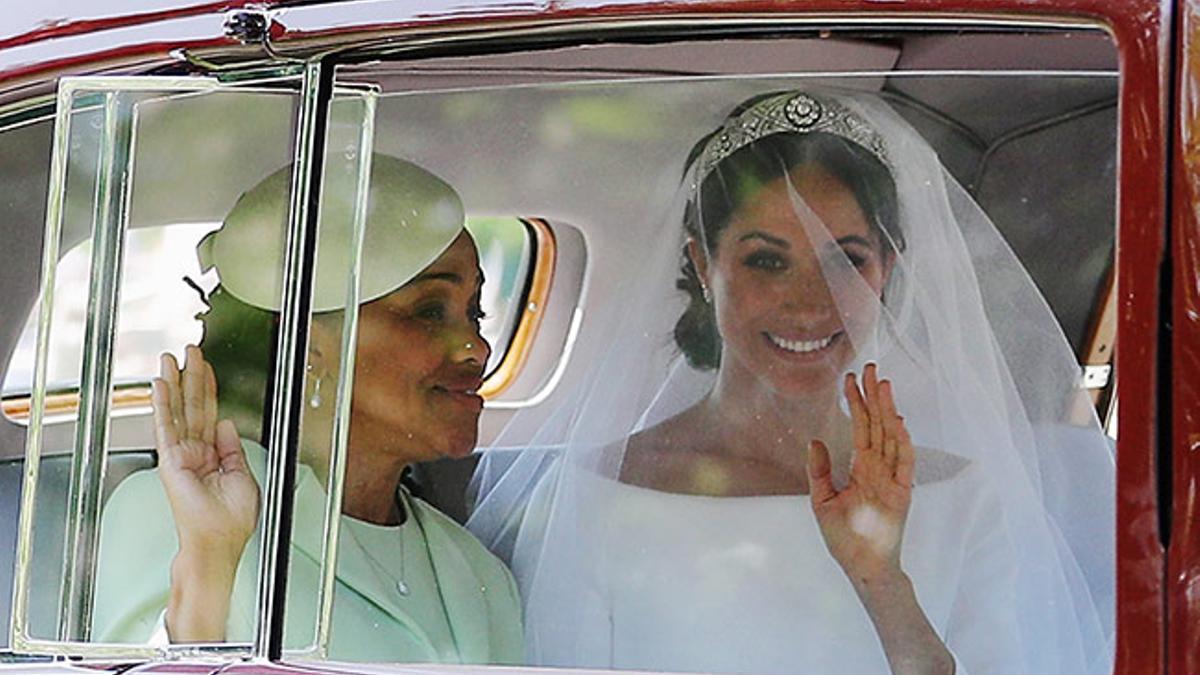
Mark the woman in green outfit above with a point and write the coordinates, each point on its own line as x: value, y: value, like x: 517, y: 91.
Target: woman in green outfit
x: 412, y: 585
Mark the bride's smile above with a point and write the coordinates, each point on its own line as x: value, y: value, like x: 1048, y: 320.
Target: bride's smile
x: 802, y: 347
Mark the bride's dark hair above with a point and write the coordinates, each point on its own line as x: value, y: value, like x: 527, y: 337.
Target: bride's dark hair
x: 738, y: 178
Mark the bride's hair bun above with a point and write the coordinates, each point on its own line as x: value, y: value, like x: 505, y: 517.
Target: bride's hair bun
x: 696, y: 330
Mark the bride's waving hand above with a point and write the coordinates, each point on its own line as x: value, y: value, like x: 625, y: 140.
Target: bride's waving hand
x: 863, y: 524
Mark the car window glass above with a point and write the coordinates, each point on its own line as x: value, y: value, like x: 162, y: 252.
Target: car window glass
x: 596, y: 155
x: 133, y: 207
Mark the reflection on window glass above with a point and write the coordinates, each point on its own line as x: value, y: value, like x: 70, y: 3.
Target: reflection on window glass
x: 157, y: 311
x: 161, y: 257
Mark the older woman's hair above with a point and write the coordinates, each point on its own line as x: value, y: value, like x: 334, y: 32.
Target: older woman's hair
x: 738, y: 178
x: 239, y: 342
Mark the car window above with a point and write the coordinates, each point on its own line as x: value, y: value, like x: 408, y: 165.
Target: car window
x: 121, y: 241
x: 172, y: 295
x: 546, y: 311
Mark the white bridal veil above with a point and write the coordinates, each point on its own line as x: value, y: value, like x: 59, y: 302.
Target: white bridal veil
x: 1009, y: 541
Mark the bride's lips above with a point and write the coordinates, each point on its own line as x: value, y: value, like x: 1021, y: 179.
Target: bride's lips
x: 803, y: 350
x: 462, y: 391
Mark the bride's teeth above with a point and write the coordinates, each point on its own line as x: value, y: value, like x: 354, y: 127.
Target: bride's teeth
x: 800, y: 346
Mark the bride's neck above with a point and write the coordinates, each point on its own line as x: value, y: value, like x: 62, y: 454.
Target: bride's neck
x: 752, y: 420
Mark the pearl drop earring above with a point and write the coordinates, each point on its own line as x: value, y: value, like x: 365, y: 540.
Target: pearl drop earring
x: 315, y: 401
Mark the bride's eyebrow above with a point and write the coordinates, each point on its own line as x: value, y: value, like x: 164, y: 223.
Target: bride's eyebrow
x: 759, y: 234
x: 854, y: 239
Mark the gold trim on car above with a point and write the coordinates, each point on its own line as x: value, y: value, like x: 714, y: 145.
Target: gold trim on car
x: 67, y: 403
x: 545, y: 253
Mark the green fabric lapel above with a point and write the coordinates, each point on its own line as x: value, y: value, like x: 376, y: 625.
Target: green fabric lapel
x: 353, y: 568
x: 459, y: 585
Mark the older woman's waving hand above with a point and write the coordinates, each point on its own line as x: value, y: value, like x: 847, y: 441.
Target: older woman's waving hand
x: 214, y: 498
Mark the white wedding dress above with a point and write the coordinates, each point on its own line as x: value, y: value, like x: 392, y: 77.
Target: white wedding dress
x: 745, y: 584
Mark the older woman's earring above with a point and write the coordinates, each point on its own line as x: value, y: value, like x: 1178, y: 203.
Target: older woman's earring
x: 315, y: 400
x: 704, y: 292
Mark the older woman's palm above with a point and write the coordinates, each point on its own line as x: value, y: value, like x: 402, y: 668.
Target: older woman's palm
x: 213, y: 496
x: 863, y: 524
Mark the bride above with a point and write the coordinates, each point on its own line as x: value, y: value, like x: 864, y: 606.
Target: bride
x: 756, y: 505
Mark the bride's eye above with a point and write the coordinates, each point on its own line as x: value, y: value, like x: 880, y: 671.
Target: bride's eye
x: 856, y: 258
x: 765, y: 260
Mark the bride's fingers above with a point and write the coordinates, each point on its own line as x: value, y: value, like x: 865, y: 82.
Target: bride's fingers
x: 906, y: 457
x: 891, y: 423
x: 820, y: 473
x: 859, y: 419
x: 871, y: 391
x: 193, y: 393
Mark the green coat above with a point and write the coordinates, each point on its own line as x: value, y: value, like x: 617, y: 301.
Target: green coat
x: 462, y: 605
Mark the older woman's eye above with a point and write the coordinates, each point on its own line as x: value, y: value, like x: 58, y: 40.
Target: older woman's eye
x: 765, y: 260
x: 432, y: 312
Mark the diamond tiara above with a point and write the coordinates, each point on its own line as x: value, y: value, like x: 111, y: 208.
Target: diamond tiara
x: 791, y: 112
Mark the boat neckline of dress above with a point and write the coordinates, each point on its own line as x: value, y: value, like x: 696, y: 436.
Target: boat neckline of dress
x: 965, y: 467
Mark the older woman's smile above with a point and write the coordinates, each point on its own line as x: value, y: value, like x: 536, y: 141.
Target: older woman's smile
x: 462, y: 391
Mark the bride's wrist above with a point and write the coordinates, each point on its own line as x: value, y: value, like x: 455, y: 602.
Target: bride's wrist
x: 881, y: 585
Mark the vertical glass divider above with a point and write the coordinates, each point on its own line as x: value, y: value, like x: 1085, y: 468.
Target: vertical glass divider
x: 341, y: 424
x: 91, y: 432
x: 283, y: 437
x: 20, y: 634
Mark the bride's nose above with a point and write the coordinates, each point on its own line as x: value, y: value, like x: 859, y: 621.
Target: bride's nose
x: 807, y: 294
